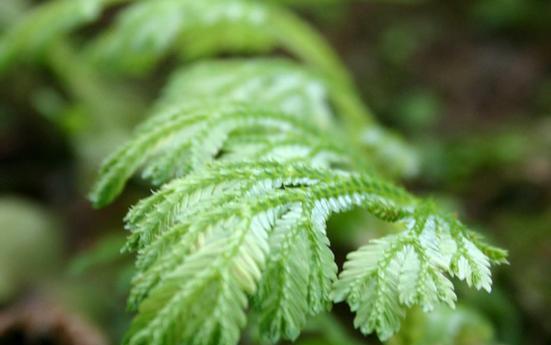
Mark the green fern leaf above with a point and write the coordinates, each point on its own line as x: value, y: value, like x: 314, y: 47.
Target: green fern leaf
x: 252, y: 160
x: 232, y: 216
x: 148, y: 30
x: 201, y: 131
x: 293, y: 268
x: 274, y: 83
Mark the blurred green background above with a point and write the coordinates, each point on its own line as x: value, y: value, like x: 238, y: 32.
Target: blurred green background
x: 467, y: 83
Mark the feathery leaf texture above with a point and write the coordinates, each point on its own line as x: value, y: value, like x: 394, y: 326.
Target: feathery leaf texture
x: 294, y: 89
x: 252, y: 157
x: 383, y: 278
x: 271, y: 82
x: 148, y: 30
x: 234, y: 214
x: 261, y: 228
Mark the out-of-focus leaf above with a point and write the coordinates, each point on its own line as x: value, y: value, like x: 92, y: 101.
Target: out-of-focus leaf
x: 29, y: 244
x: 107, y: 251
x: 444, y: 326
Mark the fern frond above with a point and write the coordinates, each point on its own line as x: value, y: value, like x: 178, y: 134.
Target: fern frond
x: 182, y: 140
x: 213, y: 20
x: 149, y: 30
x: 171, y: 225
x: 381, y: 280
x: 186, y: 130
x: 255, y: 228
x: 257, y: 217
x: 294, y: 89
x: 252, y: 160
x: 258, y: 230
x: 275, y: 83
x: 221, y: 209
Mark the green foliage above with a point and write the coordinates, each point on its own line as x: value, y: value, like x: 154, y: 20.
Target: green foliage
x: 25, y: 228
x: 106, y: 251
x: 252, y: 157
x: 250, y: 192
x: 297, y: 90
x: 257, y: 229
x: 38, y: 30
x: 250, y: 176
x: 83, y: 102
x: 388, y: 275
x: 443, y: 326
x: 148, y: 30
x: 276, y: 83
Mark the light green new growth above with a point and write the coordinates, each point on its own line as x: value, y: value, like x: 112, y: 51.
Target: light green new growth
x: 281, y: 201
x: 149, y: 30
x: 252, y: 157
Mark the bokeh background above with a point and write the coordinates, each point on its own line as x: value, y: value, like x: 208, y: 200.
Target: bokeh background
x: 467, y: 83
